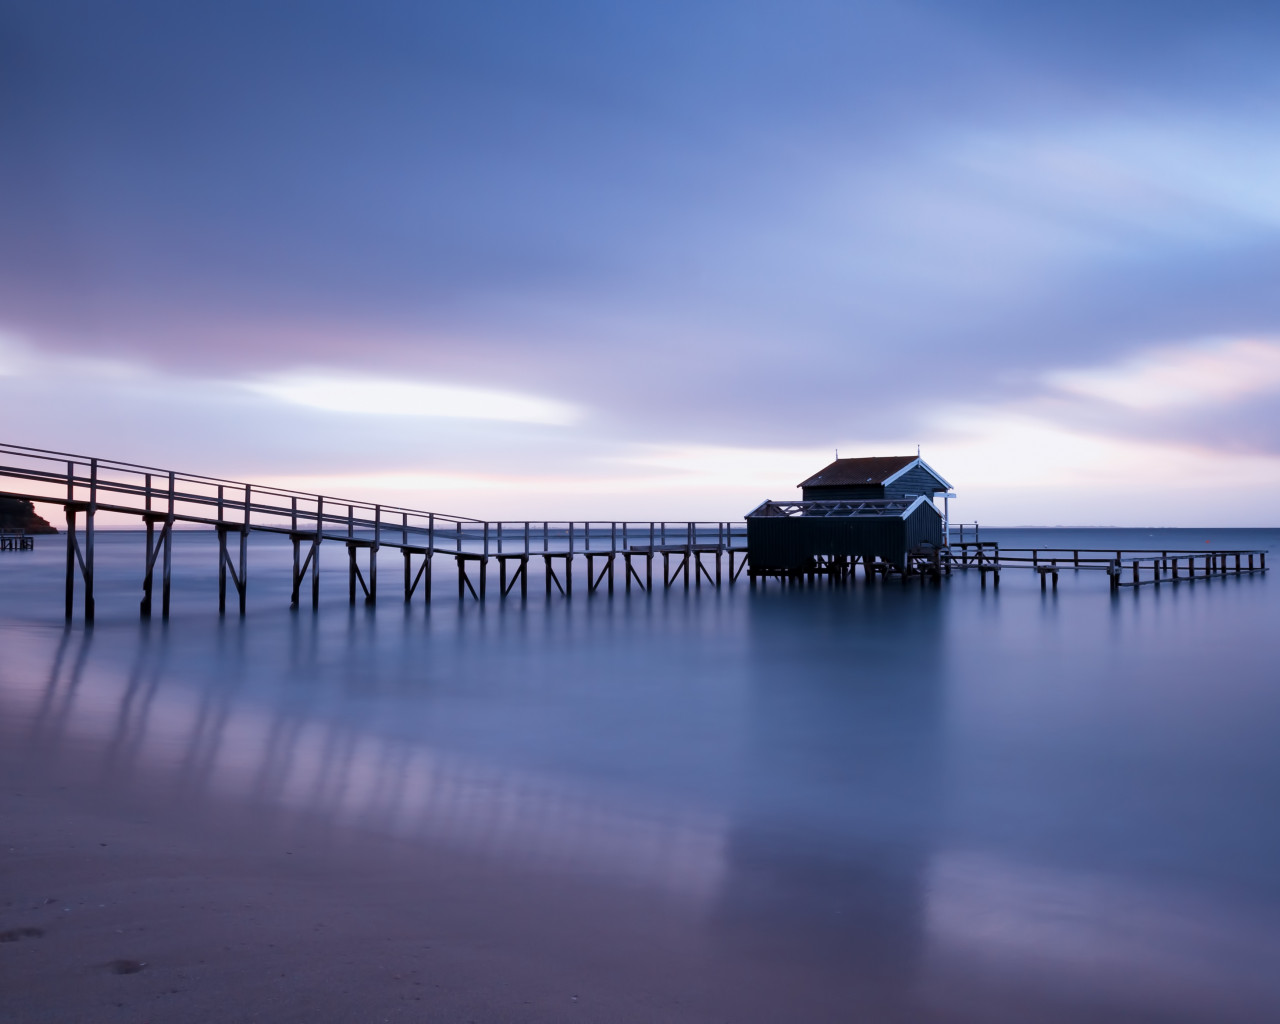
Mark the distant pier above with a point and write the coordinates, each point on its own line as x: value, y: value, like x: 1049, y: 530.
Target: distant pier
x: 16, y: 540
x: 645, y: 555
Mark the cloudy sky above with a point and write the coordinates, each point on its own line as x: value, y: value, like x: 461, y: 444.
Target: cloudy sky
x: 600, y: 259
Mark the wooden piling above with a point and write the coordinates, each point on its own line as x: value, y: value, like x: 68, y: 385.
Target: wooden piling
x: 166, y: 580
x: 72, y: 543
x: 88, y: 541
x: 222, y: 570
x: 372, y: 596
x: 315, y: 554
x: 243, y: 551
x: 351, y: 555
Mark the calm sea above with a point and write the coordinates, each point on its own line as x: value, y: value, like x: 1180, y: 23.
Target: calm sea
x: 980, y: 797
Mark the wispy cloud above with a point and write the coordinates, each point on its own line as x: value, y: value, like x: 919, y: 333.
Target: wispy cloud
x: 384, y: 396
x: 1163, y: 173
x: 12, y: 355
x: 1080, y: 449
x: 1205, y: 373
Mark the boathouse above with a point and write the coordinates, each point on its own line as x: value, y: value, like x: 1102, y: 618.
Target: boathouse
x: 876, y: 510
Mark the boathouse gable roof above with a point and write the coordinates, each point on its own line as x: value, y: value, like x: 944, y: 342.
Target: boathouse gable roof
x: 877, y: 470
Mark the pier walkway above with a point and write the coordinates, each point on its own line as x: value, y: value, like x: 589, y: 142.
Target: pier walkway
x: 162, y: 500
x: 1129, y: 567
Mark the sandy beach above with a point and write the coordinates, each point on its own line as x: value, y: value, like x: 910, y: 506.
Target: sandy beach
x: 285, y: 922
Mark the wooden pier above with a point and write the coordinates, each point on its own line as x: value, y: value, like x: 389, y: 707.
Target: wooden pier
x: 1129, y: 567
x: 691, y: 553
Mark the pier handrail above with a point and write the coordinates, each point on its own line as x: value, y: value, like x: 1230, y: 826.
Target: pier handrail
x: 137, y: 486
x: 1142, y: 566
x: 1130, y: 551
x: 162, y: 499
x: 82, y: 482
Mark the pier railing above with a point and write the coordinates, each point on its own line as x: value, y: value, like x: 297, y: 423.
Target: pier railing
x: 164, y: 500
x: 1125, y: 567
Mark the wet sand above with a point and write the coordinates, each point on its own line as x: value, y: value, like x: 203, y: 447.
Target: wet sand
x: 115, y: 913
x: 229, y: 922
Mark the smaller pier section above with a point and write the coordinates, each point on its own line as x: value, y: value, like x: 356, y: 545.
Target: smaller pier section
x: 1124, y: 567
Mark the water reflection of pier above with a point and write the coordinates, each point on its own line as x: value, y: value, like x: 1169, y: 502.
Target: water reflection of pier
x: 209, y: 746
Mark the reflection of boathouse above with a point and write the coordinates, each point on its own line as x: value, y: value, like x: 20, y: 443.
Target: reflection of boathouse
x: 879, y: 511
x: 841, y: 806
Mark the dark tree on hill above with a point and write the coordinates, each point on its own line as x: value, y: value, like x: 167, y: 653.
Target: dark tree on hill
x: 16, y: 514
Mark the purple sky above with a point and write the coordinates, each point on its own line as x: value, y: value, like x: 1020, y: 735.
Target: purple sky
x: 636, y: 260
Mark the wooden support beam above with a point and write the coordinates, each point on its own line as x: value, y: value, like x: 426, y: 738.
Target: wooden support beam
x: 296, y: 541
x: 144, y: 606
x: 411, y: 579
x: 166, y: 572
x: 368, y: 585
x: 222, y: 571
x: 565, y: 586
x: 464, y: 580
x: 73, y: 553
x: 153, y: 549
x: 243, y: 580
x: 87, y: 564
x: 301, y: 564
x: 226, y: 567
x: 670, y: 575
x: 315, y: 560
x: 645, y: 584
x: 372, y: 597
x: 594, y: 581
x: 352, y: 570
x: 701, y: 570
x: 521, y: 574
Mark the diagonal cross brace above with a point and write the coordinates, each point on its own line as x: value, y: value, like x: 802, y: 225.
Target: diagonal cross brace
x: 594, y: 585
x: 231, y: 568
x: 75, y: 546
x: 631, y: 572
x: 413, y: 584
x: 306, y: 562
x: 155, y: 552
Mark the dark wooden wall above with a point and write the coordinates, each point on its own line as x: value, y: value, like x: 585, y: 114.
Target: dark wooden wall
x: 789, y: 542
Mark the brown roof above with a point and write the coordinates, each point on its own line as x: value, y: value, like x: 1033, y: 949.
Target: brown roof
x: 850, y: 472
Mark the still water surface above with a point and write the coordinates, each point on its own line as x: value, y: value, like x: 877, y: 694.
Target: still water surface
x: 1007, y: 801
